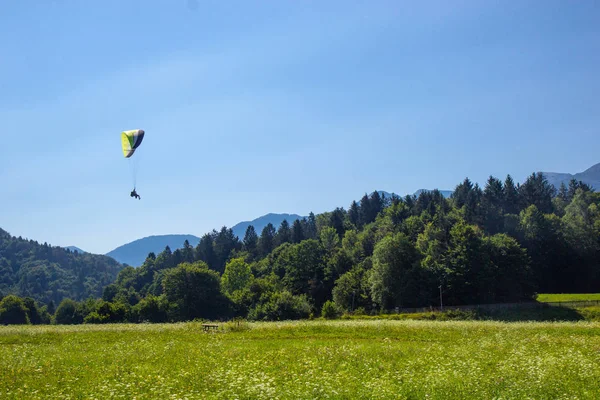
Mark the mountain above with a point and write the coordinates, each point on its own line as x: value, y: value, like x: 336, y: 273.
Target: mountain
x: 44, y: 272
x: 135, y: 253
x: 259, y: 223
x: 75, y: 249
x: 590, y: 176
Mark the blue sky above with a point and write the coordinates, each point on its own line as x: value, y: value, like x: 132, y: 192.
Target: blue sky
x: 252, y: 107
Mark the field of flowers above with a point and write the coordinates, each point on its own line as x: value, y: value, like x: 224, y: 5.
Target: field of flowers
x: 303, y: 360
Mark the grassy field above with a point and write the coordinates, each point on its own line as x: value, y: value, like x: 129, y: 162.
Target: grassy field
x: 303, y: 360
x: 550, y: 298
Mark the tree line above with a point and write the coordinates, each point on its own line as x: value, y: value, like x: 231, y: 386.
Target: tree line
x: 504, y: 242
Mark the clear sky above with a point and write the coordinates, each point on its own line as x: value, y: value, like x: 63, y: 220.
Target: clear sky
x: 252, y: 107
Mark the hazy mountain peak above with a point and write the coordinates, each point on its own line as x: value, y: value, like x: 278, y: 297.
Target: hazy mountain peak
x: 592, y: 172
x: 590, y: 176
x: 75, y: 248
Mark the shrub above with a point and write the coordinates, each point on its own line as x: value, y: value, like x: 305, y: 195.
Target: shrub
x: 13, y: 311
x: 329, y: 310
x: 281, y: 306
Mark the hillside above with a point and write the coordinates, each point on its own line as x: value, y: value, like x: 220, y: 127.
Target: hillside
x: 44, y: 272
x: 590, y: 176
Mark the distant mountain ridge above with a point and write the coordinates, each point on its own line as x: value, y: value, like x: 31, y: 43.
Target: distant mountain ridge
x: 590, y: 176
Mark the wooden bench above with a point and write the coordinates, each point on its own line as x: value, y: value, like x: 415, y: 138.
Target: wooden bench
x: 207, y: 327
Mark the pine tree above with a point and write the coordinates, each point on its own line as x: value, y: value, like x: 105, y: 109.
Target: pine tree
x: 225, y: 243
x: 205, y: 250
x: 365, y: 210
x: 461, y: 193
x: 304, y: 226
x: 377, y: 203
x: 284, y: 235
x: 354, y: 214
x: 575, y: 185
x: 250, y: 240
x: 410, y: 201
x: 311, y: 226
x: 563, y: 192
x: 336, y: 220
x: 297, y: 232
x: 537, y: 191
x: 51, y: 307
x: 177, y: 257
x: 511, y: 197
x: 473, y: 205
x: 187, y: 252
x: 266, y: 243
x: 492, y: 205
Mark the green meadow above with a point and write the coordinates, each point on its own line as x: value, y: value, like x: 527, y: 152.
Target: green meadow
x: 566, y: 297
x: 374, y: 359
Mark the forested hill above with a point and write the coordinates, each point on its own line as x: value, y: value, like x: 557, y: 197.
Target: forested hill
x: 44, y: 272
x: 499, y: 243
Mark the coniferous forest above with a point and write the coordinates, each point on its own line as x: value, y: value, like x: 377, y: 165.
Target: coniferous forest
x: 503, y: 242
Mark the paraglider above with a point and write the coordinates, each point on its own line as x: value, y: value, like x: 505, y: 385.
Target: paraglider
x: 134, y: 194
x: 130, y: 141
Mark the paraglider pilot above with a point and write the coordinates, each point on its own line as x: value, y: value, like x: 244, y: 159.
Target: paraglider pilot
x: 134, y: 194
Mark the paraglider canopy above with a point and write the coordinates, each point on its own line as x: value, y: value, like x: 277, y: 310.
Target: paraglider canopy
x: 130, y: 140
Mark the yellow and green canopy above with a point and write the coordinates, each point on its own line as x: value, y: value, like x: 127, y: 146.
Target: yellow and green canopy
x: 130, y: 140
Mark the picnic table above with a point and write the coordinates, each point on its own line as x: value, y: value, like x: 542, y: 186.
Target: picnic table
x: 207, y: 327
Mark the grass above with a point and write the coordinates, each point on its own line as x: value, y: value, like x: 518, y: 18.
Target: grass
x: 554, y: 297
x: 369, y: 359
x: 541, y: 313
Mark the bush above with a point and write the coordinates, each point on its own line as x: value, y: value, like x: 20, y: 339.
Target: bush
x: 152, y: 309
x: 107, y: 312
x: 68, y: 313
x: 330, y: 310
x: 95, y: 318
x: 281, y: 306
x: 13, y: 311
